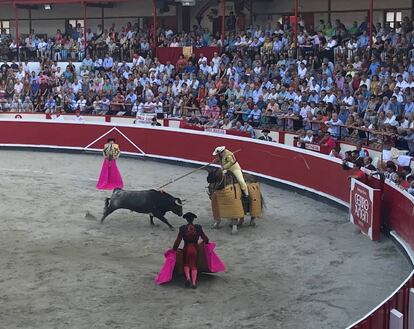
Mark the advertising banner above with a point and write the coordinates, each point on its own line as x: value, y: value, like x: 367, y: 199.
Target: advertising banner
x: 365, y: 208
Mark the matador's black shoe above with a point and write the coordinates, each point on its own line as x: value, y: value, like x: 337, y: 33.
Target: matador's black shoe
x: 187, y: 283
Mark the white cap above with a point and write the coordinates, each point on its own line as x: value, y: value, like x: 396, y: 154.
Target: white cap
x: 219, y: 149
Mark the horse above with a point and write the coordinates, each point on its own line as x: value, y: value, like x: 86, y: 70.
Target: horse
x: 217, y: 181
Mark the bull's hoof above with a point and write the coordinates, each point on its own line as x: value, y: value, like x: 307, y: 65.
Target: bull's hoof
x: 234, y: 230
x: 172, y: 228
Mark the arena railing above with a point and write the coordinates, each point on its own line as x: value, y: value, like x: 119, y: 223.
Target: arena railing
x: 307, y: 170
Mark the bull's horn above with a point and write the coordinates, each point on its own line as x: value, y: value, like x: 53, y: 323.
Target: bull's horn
x: 177, y: 202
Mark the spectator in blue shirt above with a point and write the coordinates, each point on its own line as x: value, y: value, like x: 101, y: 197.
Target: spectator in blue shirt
x: 343, y: 113
x: 249, y: 129
x: 255, y: 116
x: 190, y: 68
x: 395, y: 107
x: 409, y: 106
x: 313, y: 97
x: 108, y: 62
x: 363, y: 40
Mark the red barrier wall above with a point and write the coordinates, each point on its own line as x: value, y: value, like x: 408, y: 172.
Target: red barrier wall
x: 301, y: 168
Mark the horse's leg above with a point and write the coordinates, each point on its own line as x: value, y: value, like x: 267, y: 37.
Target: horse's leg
x: 234, y: 226
x: 252, y: 221
x: 216, y: 224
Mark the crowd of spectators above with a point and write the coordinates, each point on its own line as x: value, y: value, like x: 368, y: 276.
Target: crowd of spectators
x: 337, y: 84
x: 401, y: 175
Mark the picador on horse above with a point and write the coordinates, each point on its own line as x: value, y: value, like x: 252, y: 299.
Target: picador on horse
x: 231, y: 196
x: 229, y: 163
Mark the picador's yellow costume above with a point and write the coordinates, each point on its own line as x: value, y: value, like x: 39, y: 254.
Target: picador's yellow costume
x: 228, y: 162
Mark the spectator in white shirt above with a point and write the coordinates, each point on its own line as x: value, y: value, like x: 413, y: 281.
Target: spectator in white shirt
x: 20, y: 74
x: 302, y: 70
x: 76, y: 86
x: 309, y: 137
x: 330, y: 97
x: 402, y: 84
x: 81, y: 103
x: 59, y: 117
x: 78, y: 117
x: 18, y: 87
x: 334, y: 125
x: 390, y: 119
x: 348, y: 100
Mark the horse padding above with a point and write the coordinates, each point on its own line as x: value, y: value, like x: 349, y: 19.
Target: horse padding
x: 228, y: 202
x: 255, y: 199
x: 201, y: 260
x: 214, y: 207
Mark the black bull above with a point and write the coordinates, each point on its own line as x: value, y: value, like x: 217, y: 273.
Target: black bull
x: 152, y: 202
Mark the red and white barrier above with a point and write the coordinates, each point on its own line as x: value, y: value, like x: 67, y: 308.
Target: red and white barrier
x: 297, y: 167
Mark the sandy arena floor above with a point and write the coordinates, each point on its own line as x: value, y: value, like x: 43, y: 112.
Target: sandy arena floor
x: 304, y: 266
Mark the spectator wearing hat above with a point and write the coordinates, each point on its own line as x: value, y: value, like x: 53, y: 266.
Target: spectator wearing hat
x: 265, y: 136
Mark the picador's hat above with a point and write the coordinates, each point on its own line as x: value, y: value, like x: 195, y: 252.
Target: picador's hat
x: 219, y: 149
x: 189, y: 216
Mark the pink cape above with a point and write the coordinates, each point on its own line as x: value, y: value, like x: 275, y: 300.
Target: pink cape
x: 167, y: 270
x: 166, y: 273
x: 214, y: 262
x: 110, y: 177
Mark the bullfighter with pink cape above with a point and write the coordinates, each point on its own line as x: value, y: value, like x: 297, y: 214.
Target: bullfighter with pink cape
x: 110, y: 177
x: 194, y: 257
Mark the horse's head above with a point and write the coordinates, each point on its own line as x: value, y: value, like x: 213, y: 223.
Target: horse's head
x: 214, y: 177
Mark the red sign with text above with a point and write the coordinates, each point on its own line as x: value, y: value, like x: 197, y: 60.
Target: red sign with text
x: 365, y: 208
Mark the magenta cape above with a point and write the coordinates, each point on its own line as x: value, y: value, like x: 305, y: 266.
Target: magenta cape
x: 166, y: 273
x: 110, y: 177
